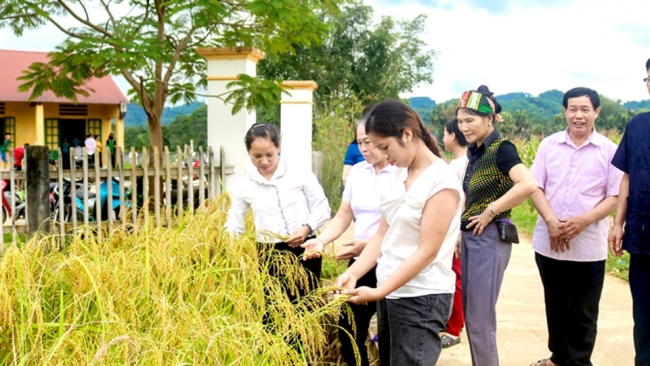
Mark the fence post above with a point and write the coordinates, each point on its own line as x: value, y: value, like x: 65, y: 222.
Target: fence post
x: 37, y: 186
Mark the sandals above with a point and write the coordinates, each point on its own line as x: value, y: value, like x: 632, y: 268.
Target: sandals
x: 449, y: 341
x: 544, y: 362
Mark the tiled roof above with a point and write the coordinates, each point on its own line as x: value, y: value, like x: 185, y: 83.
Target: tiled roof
x: 12, y: 63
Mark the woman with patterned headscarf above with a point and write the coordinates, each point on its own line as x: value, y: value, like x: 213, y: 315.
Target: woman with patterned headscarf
x: 495, y: 182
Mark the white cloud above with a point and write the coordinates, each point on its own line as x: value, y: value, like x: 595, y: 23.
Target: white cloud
x: 600, y: 44
x: 510, y: 47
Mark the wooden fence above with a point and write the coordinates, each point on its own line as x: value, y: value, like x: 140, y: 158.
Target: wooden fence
x: 88, y: 197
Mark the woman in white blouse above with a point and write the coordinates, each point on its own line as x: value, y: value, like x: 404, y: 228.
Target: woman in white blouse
x: 414, y: 244
x: 360, y: 204
x: 287, y: 201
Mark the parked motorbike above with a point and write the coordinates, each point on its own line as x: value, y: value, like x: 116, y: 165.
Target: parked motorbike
x: 103, y: 199
x: 61, y: 199
x: 5, y: 192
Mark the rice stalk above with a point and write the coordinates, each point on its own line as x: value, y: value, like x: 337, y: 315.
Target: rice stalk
x: 186, y: 294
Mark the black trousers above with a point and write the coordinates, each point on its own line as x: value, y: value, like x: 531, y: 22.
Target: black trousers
x: 640, y: 286
x: 65, y: 157
x: 572, y: 295
x: 362, y: 315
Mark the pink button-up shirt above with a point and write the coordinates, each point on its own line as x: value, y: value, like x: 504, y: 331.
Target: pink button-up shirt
x: 575, y: 180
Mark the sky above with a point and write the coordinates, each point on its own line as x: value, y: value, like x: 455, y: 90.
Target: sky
x: 509, y: 45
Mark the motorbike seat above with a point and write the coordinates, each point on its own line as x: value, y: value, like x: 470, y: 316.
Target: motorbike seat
x: 80, y: 194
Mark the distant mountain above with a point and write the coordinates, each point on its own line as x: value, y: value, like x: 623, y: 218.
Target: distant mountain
x: 422, y: 105
x: 543, y: 106
x: 135, y: 115
x: 634, y: 106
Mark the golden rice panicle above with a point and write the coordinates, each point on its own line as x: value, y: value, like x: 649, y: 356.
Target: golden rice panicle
x: 189, y: 293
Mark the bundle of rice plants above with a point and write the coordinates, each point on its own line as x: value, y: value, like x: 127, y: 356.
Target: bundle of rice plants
x: 189, y: 294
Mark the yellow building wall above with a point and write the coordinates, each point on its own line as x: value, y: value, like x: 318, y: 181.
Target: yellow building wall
x: 25, y: 116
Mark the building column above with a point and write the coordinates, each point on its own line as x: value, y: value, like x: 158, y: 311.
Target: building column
x: 119, y: 133
x: 40, y: 124
x: 225, y: 129
x: 296, y: 115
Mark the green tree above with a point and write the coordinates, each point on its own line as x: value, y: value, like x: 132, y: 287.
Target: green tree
x: 373, y: 61
x: 440, y: 115
x: 152, y: 44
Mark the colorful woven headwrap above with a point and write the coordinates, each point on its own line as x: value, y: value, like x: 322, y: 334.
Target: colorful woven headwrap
x: 478, y: 102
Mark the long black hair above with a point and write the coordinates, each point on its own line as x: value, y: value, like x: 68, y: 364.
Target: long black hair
x: 390, y: 118
x: 452, y: 127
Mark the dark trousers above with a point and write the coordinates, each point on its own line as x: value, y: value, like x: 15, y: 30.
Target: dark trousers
x: 362, y: 315
x: 100, y: 161
x: 640, y: 286
x: 409, y: 329
x: 456, y: 321
x: 572, y: 294
x: 65, y: 158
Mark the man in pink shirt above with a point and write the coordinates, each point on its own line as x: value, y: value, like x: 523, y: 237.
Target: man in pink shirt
x: 577, y: 191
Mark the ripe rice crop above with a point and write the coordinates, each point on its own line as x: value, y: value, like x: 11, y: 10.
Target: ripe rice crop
x: 183, y: 295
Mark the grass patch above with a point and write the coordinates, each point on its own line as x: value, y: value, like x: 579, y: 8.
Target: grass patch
x: 618, y: 266
x: 524, y: 217
x: 188, y: 294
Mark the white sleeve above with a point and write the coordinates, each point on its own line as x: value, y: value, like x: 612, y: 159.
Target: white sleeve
x: 237, y: 213
x: 347, y: 191
x: 319, y: 207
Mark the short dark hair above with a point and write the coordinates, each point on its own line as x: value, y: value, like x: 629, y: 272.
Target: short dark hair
x: 89, y: 135
x: 96, y: 136
x: 452, y: 127
x: 647, y: 65
x: 8, y: 134
x: 581, y: 92
x: 262, y: 131
x: 390, y: 118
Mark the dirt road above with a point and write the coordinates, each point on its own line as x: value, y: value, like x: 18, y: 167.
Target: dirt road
x: 522, y: 335
x: 521, y: 332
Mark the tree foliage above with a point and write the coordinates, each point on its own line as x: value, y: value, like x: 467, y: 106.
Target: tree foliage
x: 370, y: 60
x: 152, y: 44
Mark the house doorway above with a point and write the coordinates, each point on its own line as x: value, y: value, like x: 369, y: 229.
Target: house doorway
x: 74, y: 130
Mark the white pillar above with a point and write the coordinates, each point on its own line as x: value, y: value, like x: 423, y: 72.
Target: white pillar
x: 296, y: 115
x: 225, y: 129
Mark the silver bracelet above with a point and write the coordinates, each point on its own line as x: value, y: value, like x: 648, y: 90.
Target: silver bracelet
x: 491, y: 211
x: 320, y: 240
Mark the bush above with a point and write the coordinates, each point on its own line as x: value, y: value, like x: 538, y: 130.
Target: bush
x: 188, y: 294
x: 334, y: 127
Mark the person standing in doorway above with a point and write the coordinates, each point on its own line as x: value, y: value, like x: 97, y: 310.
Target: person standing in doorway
x: 91, y: 145
x: 456, y: 144
x: 495, y: 182
x: 577, y: 188
x: 98, y: 151
x: 65, y: 153
x: 110, y: 147
x: 4, y: 148
x: 633, y: 212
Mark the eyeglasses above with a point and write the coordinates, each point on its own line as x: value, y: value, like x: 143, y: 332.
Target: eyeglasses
x: 645, y: 80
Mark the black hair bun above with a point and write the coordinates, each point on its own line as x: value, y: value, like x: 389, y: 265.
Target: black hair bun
x: 485, y: 91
